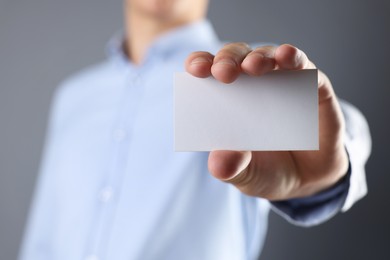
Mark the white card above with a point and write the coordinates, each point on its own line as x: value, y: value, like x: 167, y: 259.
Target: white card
x: 276, y: 111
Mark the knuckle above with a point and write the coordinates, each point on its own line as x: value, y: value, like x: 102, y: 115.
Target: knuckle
x: 265, y: 50
x: 235, y: 49
x: 237, y: 45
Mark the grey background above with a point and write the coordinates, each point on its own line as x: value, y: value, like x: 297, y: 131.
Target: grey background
x: 43, y: 41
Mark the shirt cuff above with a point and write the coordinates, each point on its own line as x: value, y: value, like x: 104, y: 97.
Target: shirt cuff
x: 313, y: 210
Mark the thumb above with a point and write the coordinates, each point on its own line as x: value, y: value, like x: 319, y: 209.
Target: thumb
x: 229, y: 166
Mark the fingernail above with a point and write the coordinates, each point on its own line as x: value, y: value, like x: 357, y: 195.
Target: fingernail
x: 298, y: 57
x: 200, y: 60
x: 257, y: 54
x: 226, y: 62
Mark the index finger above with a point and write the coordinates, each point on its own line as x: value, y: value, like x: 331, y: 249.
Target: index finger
x: 199, y: 64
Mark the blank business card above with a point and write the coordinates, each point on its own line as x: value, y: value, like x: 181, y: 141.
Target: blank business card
x: 276, y: 111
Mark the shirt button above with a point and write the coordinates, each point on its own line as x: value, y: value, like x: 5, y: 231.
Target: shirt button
x: 119, y: 135
x: 106, y: 194
x: 92, y: 257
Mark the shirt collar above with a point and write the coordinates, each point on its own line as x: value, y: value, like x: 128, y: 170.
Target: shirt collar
x: 200, y: 33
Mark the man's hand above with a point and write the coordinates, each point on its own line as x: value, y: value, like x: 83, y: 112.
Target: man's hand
x: 276, y: 175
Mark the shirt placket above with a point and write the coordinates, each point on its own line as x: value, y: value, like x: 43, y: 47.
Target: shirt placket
x: 121, y: 137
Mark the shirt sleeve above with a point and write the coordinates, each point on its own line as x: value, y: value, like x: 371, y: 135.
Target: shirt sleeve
x: 320, y: 207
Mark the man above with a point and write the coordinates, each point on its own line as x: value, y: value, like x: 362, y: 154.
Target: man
x: 111, y: 186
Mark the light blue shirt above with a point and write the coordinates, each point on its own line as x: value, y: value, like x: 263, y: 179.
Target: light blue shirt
x: 111, y: 185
